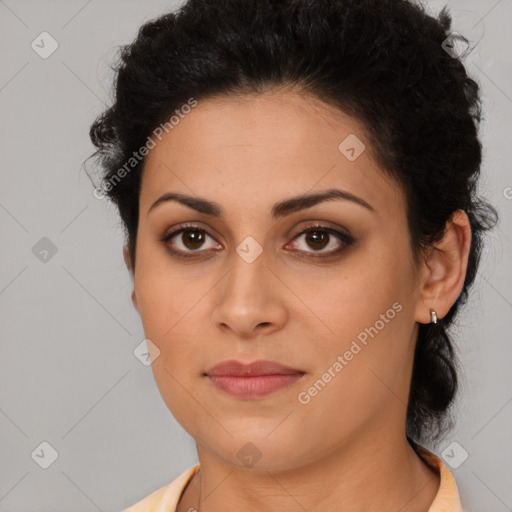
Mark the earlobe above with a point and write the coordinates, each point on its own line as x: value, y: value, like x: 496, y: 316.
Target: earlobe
x: 134, y: 300
x: 127, y: 259
x: 129, y: 266
x: 445, y: 267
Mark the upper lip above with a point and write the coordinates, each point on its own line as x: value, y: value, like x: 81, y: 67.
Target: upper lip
x: 261, y: 367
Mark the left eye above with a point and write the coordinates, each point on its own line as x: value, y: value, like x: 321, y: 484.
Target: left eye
x: 316, y: 237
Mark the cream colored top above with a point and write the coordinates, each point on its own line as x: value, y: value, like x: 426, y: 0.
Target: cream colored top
x: 167, y: 497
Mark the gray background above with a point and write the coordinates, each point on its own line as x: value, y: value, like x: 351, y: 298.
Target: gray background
x: 68, y: 375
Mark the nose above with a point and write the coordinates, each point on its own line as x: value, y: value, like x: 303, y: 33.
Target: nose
x: 249, y: 300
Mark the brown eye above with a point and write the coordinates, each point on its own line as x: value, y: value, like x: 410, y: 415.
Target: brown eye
x: 188, y: 239
x: 192, y: 238
x: 320, y: 237
x: 317, y: 239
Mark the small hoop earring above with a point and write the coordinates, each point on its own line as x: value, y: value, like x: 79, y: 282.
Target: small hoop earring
x: 433, y: 317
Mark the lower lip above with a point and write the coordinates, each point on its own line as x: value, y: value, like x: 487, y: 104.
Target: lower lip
x: 253, y: 387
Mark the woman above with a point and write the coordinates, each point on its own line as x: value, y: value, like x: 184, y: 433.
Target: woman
x: 297, y: 181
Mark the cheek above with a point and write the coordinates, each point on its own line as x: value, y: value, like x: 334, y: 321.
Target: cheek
x: 159, y: 288
x: 366, y: 306
x: 170, y: 301
x: 363, y: 288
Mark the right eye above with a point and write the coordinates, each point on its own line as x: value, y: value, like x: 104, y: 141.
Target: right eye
x: 191, y: 240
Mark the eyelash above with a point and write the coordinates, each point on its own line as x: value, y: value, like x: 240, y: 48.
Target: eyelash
x: 344, y: 238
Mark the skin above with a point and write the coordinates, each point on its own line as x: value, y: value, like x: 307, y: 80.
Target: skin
x: 346, y: 449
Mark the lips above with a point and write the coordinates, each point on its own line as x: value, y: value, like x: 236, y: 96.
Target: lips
x: 257, y: 368
x: 254, y: 380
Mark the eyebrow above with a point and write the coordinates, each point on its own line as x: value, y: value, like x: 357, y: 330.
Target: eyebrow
x: 279, y: 209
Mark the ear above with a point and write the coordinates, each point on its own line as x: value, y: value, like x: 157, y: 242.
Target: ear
x: 129, y: 266
x: 444, y: 269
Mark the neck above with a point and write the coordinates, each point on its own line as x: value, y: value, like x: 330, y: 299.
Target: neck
x: 363, y: 475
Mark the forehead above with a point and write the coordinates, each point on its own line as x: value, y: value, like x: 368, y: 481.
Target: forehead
x: 258, y: 149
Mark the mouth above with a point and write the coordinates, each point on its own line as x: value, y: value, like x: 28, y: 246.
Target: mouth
x: 254, y: 380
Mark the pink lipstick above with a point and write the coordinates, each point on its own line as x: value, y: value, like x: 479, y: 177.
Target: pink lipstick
x: 254, y: 380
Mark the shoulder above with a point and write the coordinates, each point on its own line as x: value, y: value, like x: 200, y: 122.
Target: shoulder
x: 447, y: 498
x: 166, y: 498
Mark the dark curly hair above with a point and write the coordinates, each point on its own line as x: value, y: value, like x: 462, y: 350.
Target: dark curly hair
x: 381, y: 61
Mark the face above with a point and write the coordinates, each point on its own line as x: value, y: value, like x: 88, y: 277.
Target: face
x: 327, y: 288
